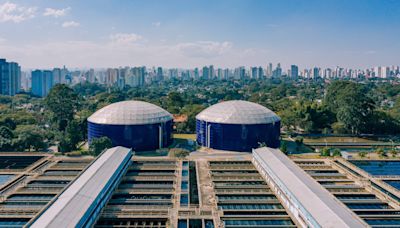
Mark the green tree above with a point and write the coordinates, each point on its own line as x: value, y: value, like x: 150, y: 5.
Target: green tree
x: 97, y: 145
x: 393, y: 152
x: 179, y: 152
x: 6, y: 145
x: 6, y: 133
x: 74, y: 133
x: 65, y: 145
x: 30, y: 137
x: 336, y: 152
x: 381, y: 152
x: 325, y: 152
x: 7, y: 121
x: 362, y: 154
x: 62, y: 102
x: 284, y: 147
x: 191, y: 111
x: 351, y: 104
x: 175, y: 101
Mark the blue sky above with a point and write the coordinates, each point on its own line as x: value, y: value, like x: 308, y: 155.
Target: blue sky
x: 192, y: 33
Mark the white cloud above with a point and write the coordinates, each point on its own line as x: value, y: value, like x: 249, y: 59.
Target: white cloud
x: 56, y: 12
x: 69, y: 24
x: 156, y: 24
x: 125, y: 38
x: 15, y: 13
x: 204, y: 48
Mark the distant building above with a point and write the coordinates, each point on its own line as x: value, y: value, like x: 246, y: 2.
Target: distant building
x: 269, y: 70
x: 136, y: 77
x: 315, y: 72
x: 10, y: 78
x: 42, y: 82
x: 212, y: 73
x: 226, y: 74
x: 385, y: 72
x: 260, y: 72
x: 277, y: 72
x: 220, y: 74
x: 294, y: 72
x: 254, y: 72
x: 160, y: 74
x: 206, y: 73
x: 57, y: 76
x: 26, y: 80
x: 196, y: 73
x: 111, y: 76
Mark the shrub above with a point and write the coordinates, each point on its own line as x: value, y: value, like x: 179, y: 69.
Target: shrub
x: 97, y: 145
x: 179, y: 152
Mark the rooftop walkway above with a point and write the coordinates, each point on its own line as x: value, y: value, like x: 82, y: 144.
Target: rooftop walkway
x: 308, y: 201
x: 79, y: 204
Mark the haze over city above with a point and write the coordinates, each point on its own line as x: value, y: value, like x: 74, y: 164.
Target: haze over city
x: 188, y: 34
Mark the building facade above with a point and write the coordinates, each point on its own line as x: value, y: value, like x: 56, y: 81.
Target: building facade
x: 42, y: 82
x: 10, y: 78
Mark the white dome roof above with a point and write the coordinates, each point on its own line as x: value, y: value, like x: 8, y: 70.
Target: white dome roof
x: 130, y: 113
x: 238, y: 112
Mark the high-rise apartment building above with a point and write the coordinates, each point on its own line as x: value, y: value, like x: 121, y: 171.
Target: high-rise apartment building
x: 260, y: 73
x: 136, y: 77
x: 206, y: 73
x: 42, y: 82
x: 254, y: 73
x: 315, y: 72
x: 10, y: 78
x: 294, y: 72
x: 269, y: 70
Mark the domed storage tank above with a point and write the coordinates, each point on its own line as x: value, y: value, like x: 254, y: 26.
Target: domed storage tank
x: 237, y: 126
x: 134, y: 124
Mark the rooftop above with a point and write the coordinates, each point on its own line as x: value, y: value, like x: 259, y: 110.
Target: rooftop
x: 70, y: 207
x: 130, y: 113
x: 238, y: 112
x: 316, y: 200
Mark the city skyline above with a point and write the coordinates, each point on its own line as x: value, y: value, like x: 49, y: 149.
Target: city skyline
x: 351, y: 34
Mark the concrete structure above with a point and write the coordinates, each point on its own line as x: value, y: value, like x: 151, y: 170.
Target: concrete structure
x: 35, y: 180
x: 134, y: 124
x: 237, y: 126
x: 81, y: 202
x: 308, y: 201
x: 217, y: 189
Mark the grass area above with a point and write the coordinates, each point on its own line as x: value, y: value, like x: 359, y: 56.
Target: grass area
x: 185, y: 136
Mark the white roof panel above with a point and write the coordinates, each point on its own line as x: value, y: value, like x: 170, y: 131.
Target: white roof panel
x: 130, y: 113
x: 238, y: 112
x: 71, y: 205
x: 319, y: 202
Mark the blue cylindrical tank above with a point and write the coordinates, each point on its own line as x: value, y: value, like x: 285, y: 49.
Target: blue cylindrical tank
x: 134, y: 124
x: 237, y: 126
